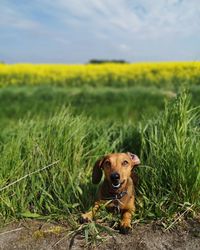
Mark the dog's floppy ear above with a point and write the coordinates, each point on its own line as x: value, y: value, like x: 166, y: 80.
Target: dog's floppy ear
x: 135, y: 159
x: 97, y: 172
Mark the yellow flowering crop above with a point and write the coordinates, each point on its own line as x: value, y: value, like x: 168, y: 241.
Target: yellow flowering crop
x: 108, y: 74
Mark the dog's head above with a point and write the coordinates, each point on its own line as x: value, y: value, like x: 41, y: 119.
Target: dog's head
x: 116, y: 167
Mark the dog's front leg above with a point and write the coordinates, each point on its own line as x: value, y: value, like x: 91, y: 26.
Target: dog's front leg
x: 125, y: 224
x: 90, y: 215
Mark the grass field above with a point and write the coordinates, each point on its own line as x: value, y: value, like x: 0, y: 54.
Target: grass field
x: 72, y: 126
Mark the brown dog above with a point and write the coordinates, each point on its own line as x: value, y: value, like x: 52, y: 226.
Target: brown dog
x: 117, y: 189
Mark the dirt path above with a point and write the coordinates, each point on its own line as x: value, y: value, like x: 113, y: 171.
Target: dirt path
x: 38, y: 235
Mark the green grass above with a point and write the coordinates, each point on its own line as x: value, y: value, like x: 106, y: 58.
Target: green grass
x: 75, y: 141
x: 112, y: 104
x: 120, y: 105
x: 168, y: 146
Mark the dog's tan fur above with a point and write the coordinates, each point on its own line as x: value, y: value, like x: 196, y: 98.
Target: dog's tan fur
x: 124, y: 164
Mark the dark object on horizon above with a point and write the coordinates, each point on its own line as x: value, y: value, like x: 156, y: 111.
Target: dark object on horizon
x: 98, y: 61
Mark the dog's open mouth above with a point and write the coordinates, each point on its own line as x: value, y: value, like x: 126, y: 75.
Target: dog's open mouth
x: 117, y: 184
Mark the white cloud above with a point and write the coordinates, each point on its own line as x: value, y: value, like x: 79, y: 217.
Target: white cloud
x: 144, y: 18
x: 124, y: 47
x: 107, y: 28
x: 147, y: 19
x: 11, y: 17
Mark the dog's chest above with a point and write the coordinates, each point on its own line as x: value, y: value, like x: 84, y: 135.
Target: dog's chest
x: 115, y: 204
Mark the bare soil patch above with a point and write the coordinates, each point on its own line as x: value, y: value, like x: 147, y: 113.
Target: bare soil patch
x: 40, y: 235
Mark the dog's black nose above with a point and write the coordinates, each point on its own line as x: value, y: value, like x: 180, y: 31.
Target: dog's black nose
x: 114, y: 176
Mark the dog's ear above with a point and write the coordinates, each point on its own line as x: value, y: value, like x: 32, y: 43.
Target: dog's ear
x: 97, y: 172
x: 135, y: 159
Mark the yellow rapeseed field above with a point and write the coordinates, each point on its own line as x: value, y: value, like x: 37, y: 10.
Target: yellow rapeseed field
x: 108, y: 74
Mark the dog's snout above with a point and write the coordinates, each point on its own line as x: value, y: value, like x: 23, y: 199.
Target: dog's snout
x: 114, y: 176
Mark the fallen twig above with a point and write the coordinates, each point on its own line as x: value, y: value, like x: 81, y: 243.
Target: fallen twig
x: 11, y: 231
x: 178, y: 218
x: 27, y: 175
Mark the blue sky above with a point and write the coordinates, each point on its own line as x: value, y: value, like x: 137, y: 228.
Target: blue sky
x: 74, y: 31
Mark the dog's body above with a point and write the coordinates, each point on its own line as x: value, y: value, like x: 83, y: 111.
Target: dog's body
x: 117, y: 189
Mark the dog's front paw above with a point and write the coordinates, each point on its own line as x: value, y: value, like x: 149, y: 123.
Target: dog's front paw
x: 124, y: 230
x: 85, y: 218
x: 125, y: 227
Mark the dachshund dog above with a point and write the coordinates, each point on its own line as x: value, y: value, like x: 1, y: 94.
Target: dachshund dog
x: 117, y: 191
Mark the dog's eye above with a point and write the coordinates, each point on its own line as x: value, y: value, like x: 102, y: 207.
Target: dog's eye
x: 107, y: 164
x: 125, y: 163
